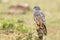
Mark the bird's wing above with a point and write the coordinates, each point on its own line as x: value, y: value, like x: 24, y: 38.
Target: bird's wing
x: 42, y: 16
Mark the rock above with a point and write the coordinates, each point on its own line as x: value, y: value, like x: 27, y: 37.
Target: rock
x: 5, y: 1
x: 18, y: 8
x: 25, y: 6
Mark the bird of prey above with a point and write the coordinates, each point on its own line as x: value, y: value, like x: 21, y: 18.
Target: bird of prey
x: 39, y: 18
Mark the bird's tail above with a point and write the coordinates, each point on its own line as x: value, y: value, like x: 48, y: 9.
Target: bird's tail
x: 44, y: 29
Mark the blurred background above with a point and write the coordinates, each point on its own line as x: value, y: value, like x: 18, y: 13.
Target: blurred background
x: 17, y: 23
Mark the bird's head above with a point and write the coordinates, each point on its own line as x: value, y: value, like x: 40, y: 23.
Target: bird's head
x: 36, y: 8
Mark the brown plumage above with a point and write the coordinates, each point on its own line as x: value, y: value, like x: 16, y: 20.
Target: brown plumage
x: 40, y: 21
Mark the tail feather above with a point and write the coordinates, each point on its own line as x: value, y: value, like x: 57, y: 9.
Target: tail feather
x: 44, y: 29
